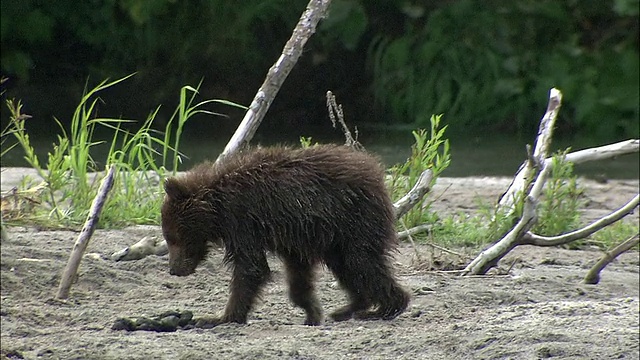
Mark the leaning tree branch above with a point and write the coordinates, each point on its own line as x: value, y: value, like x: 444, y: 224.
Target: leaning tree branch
x: 422, y: 186
x: 527, y: 171
x: 85, y: 235
x: 316, y: 10
x: 533, y: 239
x: 593, y: 276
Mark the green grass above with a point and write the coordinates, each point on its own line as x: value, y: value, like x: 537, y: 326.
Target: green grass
x: 558, y: 209
x: 68, y: 184
x: 612, y: 235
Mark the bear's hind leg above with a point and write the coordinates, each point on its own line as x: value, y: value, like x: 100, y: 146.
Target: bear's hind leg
x: 350, y: 280
x: 301, y: 289
x: 389, y: 305
x: 389, y: 298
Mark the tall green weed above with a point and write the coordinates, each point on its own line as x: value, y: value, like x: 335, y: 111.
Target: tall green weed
x: 142, y: 158
x: 429, y: 151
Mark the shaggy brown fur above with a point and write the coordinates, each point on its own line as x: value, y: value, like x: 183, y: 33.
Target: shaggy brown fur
x: 325, y: 204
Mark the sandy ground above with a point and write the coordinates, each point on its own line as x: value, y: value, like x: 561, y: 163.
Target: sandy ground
x: 539, y: 310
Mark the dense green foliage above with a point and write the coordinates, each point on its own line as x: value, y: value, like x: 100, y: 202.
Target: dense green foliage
x: 169, y: 43
x: 484, y: 64
x: 491, y: 64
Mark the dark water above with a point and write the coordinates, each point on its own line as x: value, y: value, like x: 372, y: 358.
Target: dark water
x: 470, y: 156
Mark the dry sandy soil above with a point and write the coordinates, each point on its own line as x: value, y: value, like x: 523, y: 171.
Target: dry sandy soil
x: 540, y: 309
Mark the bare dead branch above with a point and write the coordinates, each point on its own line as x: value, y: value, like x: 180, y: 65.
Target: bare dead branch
x: 581, y: 156
x: 85, y: 235
x: 444, y: 249
x: 533, y: 239
x: 422, y: 186
x: 414, y: 230
x: 316, y: 10
x: 593, y: 276
x: 529, y: 182
x: 602, y: 152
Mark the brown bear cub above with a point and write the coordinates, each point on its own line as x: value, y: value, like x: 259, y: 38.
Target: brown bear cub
x: 326, y: 204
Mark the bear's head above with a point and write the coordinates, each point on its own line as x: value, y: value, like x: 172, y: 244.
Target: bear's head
x: 184, y: 226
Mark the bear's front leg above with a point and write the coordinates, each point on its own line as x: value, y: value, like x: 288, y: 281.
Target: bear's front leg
x: 249, y: 276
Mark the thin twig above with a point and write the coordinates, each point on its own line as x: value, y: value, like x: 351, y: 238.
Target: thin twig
x: 444, y: 249
x: 415, y: 248
x: 337, y: 115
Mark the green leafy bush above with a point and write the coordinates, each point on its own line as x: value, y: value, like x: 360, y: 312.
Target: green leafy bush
x: 430, y: 151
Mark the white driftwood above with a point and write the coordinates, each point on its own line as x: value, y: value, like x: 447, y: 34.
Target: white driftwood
x: 533, y: 239
x: 148, y: 245
x: 490, y: 257
x: 593, y: 276
x: 316, y: 10
x: 527, y: 171
x: 422, y: 186
x: 521, y: 234
x: 602, y: 152
x: 578, y: 157
x: 85, y: 235
x: 529, y: 182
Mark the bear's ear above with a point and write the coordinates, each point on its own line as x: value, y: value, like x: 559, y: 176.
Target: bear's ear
x: 175, y: 189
